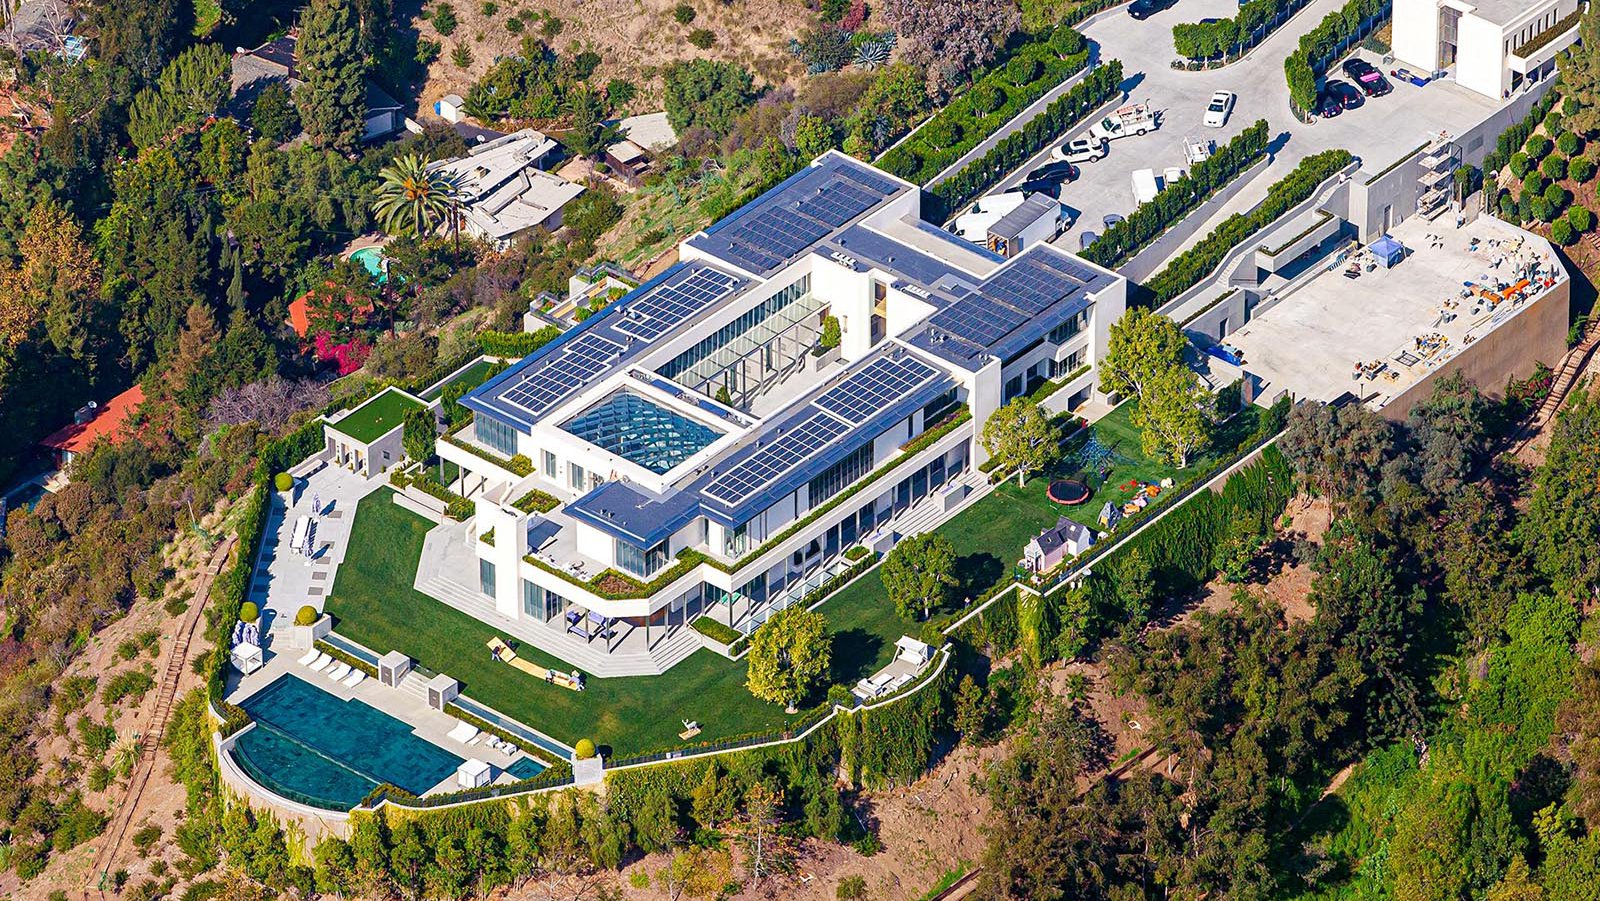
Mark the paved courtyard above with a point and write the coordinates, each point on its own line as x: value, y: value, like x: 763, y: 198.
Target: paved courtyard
x: 284, y: 580
x: 1379, y: 132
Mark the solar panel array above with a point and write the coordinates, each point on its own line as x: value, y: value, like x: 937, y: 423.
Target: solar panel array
x: 978, y: 320
x: 580, y: 360
x: 1030, y: 285
x: 876, y: 387
x: 773, y: 231
x: 781, y: 456
x: 1021, y: 291
x: 647, y: 317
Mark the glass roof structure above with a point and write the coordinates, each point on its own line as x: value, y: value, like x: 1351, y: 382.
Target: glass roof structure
x: 641, y: 431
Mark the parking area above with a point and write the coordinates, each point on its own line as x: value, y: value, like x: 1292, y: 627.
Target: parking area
x: 1381, y: 131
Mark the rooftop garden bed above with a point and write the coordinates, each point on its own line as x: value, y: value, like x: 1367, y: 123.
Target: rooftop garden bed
x: 377, y: 417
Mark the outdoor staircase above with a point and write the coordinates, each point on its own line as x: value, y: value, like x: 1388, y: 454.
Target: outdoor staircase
x: 1565, y: 377
x: 592, y: 659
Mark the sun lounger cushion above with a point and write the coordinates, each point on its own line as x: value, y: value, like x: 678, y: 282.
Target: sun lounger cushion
x: 339, y: 671
x: 308, y: 656
x: 354, y: 679
x: 464, y: 732
x: 321, y: 663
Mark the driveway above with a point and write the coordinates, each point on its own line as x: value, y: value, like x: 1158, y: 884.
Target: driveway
x: 1380, y: 132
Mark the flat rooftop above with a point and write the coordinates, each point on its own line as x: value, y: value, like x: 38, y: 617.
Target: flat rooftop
x: 1377, y: 335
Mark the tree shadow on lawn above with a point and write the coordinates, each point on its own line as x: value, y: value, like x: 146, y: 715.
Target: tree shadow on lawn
x: 854, y: 653
x: 977, y: 573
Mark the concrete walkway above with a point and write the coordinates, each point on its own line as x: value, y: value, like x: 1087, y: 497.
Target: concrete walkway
x: 285, y: 580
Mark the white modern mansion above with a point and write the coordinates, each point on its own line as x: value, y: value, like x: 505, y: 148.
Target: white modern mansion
x: 709, y: 457
x: 1492, y: 46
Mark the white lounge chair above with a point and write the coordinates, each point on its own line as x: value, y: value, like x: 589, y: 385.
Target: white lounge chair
x: 354, y: 679
x: 308, y: 656
x: 464, y: 732
x: 320, y: 663
x: 339, y: 671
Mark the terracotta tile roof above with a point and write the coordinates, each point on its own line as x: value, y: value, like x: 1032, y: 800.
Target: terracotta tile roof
x: 79, y: 437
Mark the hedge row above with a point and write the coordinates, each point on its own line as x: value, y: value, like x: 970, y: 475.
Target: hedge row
x: 1149, y: 220
x: 1096, y: 90
x: 993, y: 101
x: 1188, y: 268
x: 456, y: 506
x: 516, y: 344
x: 1255, y: 21
x: 1337, y: 32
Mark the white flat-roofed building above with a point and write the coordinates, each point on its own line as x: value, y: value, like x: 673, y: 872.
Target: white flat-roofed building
x: 708, y: 457
x: 504, y: 189
x: 1492, y: 46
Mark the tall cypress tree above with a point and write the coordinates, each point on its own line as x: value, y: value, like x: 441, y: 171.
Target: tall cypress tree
x: 332, y: 101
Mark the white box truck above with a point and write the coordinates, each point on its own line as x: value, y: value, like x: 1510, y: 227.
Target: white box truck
x: 1144, y: 185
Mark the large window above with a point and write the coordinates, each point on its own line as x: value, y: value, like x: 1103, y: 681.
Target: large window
x: 836, y: 477
x: 639, y: 561
x: 575, y: 476
x: 549, y: 465
x: 737, y: 541
x: 495, y: 434
x: 541, y: 604
x: 1065, y: 330
x: 486, y: 577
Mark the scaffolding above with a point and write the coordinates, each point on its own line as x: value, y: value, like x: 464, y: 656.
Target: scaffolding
x: 761, y: 357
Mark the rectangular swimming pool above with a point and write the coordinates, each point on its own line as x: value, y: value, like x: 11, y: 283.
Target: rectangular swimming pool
x: 315, y: 748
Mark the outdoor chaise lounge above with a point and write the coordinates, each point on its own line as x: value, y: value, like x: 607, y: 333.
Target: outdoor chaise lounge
x: 464, y: 732
x: 339, y: 671
x: 308, y: 656
x: 320, y: 662
x: 354, y: 679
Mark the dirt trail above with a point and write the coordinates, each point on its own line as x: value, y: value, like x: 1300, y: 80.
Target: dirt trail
x: 175, y: 663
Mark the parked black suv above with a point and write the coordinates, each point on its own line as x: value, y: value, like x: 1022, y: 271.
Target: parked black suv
x: 1343, y: 93
x: 1368, y: 79
x: 1144, y: 9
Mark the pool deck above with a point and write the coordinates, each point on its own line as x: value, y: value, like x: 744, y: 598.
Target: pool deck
x: 282, y: 580
x: 404, y: 704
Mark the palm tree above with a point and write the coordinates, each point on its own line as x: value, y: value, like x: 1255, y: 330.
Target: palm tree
x: 412, y: 199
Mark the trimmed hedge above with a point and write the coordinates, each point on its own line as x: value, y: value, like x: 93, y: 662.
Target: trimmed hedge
x: 516, y: 344
x: 1094, y: 91
x: 1231, y: 37
x: 456, y: 506
x: 1188, y: 268
x: 1148, y: 221
x: 1337, y: 32
x: 970, y: 118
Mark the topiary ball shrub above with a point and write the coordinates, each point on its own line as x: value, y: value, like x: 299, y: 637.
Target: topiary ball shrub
x: 986, y: 98
x: 305, y: 616
x: 1508, y: 208
x: 1538, y: 147
x: 1581, y: 169
x: 1580, y: 218
x: 584, y: 749
x: 1554, y: 167
x: 1520, y: 164
x: 1561, y: 232
x: 249, y: 612
x: 283, y: 481
x: 1066, y: 41
x: 1569, y: 143
x: 1023, y: 70
x: 1556, y: 196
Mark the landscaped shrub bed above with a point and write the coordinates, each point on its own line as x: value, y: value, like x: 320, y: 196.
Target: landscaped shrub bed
x: 721, y: 633
x: 973, y: 116
x: 1095, y: 90
x: 456, y: 506
x: 1319, y: 46
x: 1231, y: 37
x: 1146, y: 223
x: 1194, y: 264
x: 516, y: 344
x: 536, y: 501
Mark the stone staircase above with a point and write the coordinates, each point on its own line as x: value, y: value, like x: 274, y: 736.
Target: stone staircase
x: 592, y: 659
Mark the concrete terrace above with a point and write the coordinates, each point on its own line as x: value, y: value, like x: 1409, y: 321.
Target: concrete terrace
x: 1311, y: 341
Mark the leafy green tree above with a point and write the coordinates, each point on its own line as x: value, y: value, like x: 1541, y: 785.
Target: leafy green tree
x: 1340, y: 451
x: 1021, y: 436
x: 707, y: 94
x: 419, y: 433
x: 813, y: 136
x: 191, y: 88
x: 588, y: 134
x: 413, y: 199
x: 1564, y: 510
x: 273, y: 115
x: 919, y: 573
x: 1141, y: 344
x: 1173, y: 415
x: 332, y: 100
x: 789, y: 656
x: 1580, y: 77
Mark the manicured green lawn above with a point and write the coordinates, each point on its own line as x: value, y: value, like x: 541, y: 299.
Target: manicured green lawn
x: 373, y: 603
x: 472, y: 377
x: 375, y: 418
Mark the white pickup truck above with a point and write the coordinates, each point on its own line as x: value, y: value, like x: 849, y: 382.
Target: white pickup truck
x: 1133, y: 119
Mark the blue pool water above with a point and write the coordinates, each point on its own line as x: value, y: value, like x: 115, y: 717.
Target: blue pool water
x: 526, y: 768
x: 312, y: 747
x: 372, y: 259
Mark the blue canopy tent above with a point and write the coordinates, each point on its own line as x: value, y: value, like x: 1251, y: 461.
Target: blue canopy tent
x: 1388, y: 251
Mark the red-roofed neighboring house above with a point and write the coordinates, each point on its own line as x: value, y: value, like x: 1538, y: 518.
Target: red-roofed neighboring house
x: 93, y: 423
x: 300, y: 312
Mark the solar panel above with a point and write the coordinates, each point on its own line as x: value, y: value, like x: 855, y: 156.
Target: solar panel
x: 978, y: 321
x: 836, y: 203
x: 782, y: 455
x: 877, y: 386
x: 667, y: 305
x: 1029, y: 285
x: 579, y: 361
